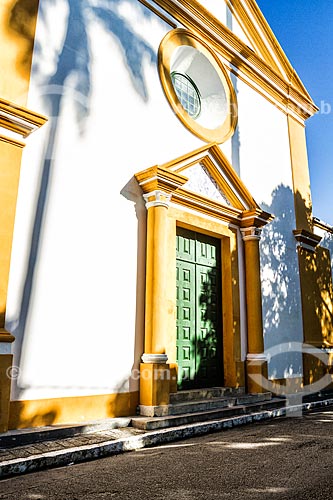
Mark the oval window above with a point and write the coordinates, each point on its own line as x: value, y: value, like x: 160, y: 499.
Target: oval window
x: 197, y: 86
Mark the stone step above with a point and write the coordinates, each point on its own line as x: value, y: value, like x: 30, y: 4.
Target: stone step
x: 209, y: 393
x: 154, y: 423
x: 200, y: 405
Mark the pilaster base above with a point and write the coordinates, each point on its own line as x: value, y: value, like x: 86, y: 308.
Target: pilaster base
x: 6, y: 361
x: 154, y: 384
x: 256, y: 374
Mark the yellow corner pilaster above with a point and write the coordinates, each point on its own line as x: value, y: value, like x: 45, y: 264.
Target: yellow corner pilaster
x: 17, y: 33
x: 300, y: 174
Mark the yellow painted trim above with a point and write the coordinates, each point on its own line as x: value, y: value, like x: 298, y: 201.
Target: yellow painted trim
x: 230, y: 287
x: 154, y: 384
x: 300, y: 175
x: 229, y: 182
x: 170, y: 42
x: 17, y: 33
x: 159, y: 178
x: 159, y: 14
x: 5, y: 383
x: 262, y: 38
x: 13, y: 142
x: 5, y: 336
x: 19, y: 119
x: 289, y: 93
x: 244, y: 210
x: 316, y: 296
x: 40, y: 412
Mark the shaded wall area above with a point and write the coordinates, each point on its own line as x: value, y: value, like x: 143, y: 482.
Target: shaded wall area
x: 282, y: 319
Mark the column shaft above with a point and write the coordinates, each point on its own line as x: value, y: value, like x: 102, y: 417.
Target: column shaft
x: 256, y: 365
x: 155, y: 317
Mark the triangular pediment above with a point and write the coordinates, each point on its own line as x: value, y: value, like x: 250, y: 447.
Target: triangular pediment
x: 203, y: 181
x: 211, y: 176
x: 263, y: 41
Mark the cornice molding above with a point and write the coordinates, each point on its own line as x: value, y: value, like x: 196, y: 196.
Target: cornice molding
x: 261, y: 36
x: 243, y: 212
x: 13, y: 142
x: 218, y: 166
x: 306, y: 239
x: 18, y: 119
x: 158, y: 178
x: 206, y: 206
x: 6, y: 336
x: 286, y: 90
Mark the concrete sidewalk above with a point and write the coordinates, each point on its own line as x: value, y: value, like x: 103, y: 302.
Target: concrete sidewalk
x: 30, y: 450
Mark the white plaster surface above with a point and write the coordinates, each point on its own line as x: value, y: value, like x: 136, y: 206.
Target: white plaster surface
x: 201, y: 182
x: 265, y: 168
x: 75, y: 298
x: 76, y: 292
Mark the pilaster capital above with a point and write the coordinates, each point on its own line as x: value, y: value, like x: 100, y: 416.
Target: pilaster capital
x: 254, y: 219
x: 251, y: 233
x: 157, y: 198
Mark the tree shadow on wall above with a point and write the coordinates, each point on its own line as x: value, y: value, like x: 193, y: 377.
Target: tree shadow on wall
x: 289, y: 316
x: 280, y: 282
x: 72, y: 79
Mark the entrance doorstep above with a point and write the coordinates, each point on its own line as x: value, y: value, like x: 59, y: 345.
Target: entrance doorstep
x: 199, y: 405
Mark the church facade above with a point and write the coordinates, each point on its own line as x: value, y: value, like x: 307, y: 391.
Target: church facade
x: 157, y: 231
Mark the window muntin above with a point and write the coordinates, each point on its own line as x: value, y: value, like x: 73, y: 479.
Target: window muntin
x: 187, y: 93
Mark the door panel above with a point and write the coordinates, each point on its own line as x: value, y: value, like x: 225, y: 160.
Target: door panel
x: 209, y: 333
x: 199, y: 325
x: 185, y: 287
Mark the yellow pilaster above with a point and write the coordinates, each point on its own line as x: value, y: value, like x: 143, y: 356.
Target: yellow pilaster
x: 256, y: 363
x: 155, y: 317
x: 22, y: 122
x: 300, y: 173
x: 157, y: 184
x: 17, y: 33
x: 10, y: 154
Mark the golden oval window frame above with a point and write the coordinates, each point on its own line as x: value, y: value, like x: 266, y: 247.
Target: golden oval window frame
x: 180, y: 37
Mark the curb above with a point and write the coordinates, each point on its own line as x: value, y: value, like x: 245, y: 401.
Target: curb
x: 80, y: 454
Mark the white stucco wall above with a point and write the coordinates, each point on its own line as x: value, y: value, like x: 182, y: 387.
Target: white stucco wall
x: 76, y: 293
x: 76, y: 307
x: 265, y: 168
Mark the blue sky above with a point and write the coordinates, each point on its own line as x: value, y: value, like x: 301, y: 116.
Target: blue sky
x: 304, y: 30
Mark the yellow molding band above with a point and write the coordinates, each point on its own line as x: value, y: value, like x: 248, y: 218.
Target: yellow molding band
x: 40, y: 412
x: 230, y: 287
x: 180, y: 37
x: 13, y: 142
x: 5, y: 336
x: 194, y: 17
x: 19, y: 119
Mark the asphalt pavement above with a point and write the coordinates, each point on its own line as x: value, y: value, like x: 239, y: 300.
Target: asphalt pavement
x: 284, y: 459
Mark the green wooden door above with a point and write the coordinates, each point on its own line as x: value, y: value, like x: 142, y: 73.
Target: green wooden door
x: 199, y: 325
